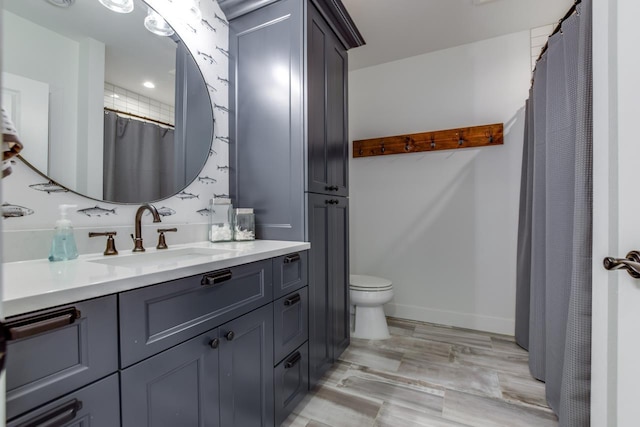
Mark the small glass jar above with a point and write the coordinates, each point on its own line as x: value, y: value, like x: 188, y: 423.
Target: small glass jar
x: 220, y: 220
x: 244, y: 225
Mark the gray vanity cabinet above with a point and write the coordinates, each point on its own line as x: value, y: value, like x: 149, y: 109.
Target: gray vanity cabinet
x: 178, y: 387
x: 56, y: 351
x: 246, y: 370
x: 96, y: 405
x: 328, y: 282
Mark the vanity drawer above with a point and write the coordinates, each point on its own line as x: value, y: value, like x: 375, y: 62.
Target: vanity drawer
x: 96, y: 405
x: 290, y: 320
x: 60, y: 350
x: 291, y: 382
x: 289, y: 273
x: 157, y: 317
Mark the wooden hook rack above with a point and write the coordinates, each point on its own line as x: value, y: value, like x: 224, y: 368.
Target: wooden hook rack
x: 476, y: 136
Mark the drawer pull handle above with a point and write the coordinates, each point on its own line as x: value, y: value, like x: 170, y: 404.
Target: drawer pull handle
x: 229, y: 336
x: 214, y: 343
x: 215, y: 278
x: 294, y: 299
x: 38, y: 324
x: 56, y: 417
x: 292, y: 360
x: 291, y: 258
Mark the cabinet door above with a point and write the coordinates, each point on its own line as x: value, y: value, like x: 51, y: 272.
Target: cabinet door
x: 266, y: 150
x: 339, y: 277
x: 327, y: 108
x: 320, y: 341
x: 178, y: 387
x: 246, y: 370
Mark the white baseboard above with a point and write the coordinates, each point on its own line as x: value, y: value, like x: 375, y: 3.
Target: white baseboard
x: 498, y: 325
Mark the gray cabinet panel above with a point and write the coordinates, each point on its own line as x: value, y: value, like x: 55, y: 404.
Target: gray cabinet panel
x: 267, y: 132
x: 327, y: 108
x: 97, y: 405
x: 246, y: 370
x: 320, y: 341
x: 291, y: 382
x: 47, y: 365
x: 156, y: 317
x: 339, y: 225
x: 290, y: 323
x: 178, y: 387
x: 289, y: 273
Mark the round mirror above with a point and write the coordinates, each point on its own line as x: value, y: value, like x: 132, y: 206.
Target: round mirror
x: 104, y: 106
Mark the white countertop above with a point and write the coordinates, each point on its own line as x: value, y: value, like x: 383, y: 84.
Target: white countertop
x: 38, y: 284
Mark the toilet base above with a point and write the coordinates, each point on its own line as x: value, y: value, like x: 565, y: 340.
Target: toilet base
x: 370, y: 323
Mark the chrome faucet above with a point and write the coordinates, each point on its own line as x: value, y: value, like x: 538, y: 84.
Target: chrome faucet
x: 137, y: 239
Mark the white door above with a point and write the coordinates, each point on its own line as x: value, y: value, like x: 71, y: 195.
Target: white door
x: 616, y: 296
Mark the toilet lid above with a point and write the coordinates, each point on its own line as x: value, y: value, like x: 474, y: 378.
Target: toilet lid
x: 360, y: 282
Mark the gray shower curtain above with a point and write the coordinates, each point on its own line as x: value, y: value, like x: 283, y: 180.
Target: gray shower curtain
x: 139, y: 160
x: 553, y: 302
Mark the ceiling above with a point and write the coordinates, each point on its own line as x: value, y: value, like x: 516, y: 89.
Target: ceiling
x: 400, y: 29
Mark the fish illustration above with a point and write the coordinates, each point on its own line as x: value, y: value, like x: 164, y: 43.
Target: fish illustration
x: 221, y: 19
x: 223, y: 168
x: 192, y: 29
x: 223, y: 138
x: 212, y: 88
x: 221, y: 107
x: 96, y: 211
x: 220, y: 196
x: 212, y: 152
x: 205, y: 212
x: 207, y: 57
x: 184, y: 195
x: 15, y: 211
x: 163, y: 211
x: 207, y: 180
x: 49, y: 187
x: 224, y: 81
x: 224, y: 51
x: 208, y: 26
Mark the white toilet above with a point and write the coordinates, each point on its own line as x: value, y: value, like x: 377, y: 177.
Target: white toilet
x: 368, y: 294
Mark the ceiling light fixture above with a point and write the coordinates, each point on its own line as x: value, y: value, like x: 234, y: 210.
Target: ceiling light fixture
x: 156, y: 24
x: 120, y: 6
x: 149, y: 85
x: 62, y: 3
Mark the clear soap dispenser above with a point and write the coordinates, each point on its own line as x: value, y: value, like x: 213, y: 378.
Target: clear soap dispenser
x: 63, y: 245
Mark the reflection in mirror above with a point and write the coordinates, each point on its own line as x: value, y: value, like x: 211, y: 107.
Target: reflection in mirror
x: 77, y: 82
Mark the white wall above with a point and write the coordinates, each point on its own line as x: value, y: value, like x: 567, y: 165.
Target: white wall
x: 443, y: 225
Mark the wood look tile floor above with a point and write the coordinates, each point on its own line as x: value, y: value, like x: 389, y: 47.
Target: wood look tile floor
x: 427, y: 375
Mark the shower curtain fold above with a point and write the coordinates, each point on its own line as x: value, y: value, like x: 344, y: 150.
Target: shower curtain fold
x: 139, y: 160
x: 553, y: 301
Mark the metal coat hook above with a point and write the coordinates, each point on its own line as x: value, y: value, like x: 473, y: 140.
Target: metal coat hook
x: 489, y: 135
x: 382, y: 149
x: 407, y: 144
x: 460, y: 138
x: 433, y: 141
x: 360, y: 152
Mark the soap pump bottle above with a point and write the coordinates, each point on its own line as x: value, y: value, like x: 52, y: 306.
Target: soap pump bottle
x: 63, y: 245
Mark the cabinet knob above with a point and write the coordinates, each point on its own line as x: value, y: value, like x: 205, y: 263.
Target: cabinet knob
x: 214, y: 343
x: 229, y: 336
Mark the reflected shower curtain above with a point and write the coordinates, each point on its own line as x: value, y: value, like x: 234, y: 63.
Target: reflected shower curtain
x: 553, y: 302
x: 139, y: 160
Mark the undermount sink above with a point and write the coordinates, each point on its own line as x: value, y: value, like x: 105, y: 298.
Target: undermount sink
x: 161, y: 258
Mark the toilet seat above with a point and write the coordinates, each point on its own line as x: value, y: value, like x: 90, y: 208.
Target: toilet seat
x: 369, y: 283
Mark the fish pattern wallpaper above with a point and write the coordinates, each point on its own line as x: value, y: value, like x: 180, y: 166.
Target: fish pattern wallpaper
x: 30, y: 201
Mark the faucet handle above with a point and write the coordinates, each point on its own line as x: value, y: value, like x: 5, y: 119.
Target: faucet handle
x: 162, y: 243
x: 111, y: 243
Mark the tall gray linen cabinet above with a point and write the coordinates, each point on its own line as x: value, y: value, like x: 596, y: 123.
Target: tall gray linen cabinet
x: 289, y: 145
